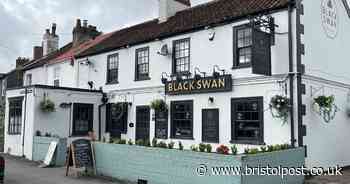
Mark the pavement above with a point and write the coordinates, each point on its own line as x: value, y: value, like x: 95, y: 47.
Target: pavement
x: 20, y: 171
x: 344, y: 179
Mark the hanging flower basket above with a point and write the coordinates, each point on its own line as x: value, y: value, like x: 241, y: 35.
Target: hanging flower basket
x: 47, y: 105
x: 159, y: 105
x: 325, y: 107
x: 280, y: 107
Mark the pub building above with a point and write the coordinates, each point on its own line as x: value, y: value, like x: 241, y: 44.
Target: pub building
x: 217, y: 68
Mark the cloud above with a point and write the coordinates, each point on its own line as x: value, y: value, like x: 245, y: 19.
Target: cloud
x: 23, y: 22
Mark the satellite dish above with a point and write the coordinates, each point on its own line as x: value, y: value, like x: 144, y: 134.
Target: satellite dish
x: 164, y: 51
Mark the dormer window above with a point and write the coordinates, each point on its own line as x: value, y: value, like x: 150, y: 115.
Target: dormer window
x: 181, y: 56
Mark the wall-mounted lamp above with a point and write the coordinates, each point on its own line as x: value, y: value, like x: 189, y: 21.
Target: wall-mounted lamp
x: 165, y: 79
x: 211, y: 99
x: 197, y: 73
x: 216, y: 74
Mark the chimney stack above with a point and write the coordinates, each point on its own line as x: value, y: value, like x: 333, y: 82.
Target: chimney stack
x: 20, y: 61
x: 84, y: 33
x: 37, y: 52
x: 168, y: 8
x: 50, y: 40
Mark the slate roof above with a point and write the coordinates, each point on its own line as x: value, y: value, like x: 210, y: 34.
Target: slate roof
x: 196, y: 18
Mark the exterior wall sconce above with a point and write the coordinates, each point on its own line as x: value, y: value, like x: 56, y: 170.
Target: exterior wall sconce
x: 197, y: 73
x: 211, y: 99
x: 216, y: 74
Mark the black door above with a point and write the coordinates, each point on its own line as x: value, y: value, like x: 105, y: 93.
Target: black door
x: 117, y: 119
x: 210, y: 125
x: 142, y: 122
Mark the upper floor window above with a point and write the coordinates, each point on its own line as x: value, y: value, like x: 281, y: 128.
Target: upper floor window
x: 142, y: 64
x: 56, y: 76
x: 112, y: 68
x: 243, y: 43
x: 28, y: 79
x: 181, y: 60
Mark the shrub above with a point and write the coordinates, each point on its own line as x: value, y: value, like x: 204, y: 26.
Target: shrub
x: 209, y: 148
x: 162, y: 144
x: 263, y: 149
x: 223, y: 150
x: 234, y: 150
x: 171, y: 145
x: 154, y: 142
x: 194, y: 148
x: 202, y: 147
x: 130, y: 142
x: 181, y: 147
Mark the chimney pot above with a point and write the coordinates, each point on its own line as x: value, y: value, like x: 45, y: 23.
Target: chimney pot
x: 85, y: 23
x: 37, y: 52
x: 78, y: 23
x: 47, y: 31
x: 54, y: 27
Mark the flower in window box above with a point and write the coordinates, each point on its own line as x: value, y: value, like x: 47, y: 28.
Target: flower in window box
x: 222, y: 149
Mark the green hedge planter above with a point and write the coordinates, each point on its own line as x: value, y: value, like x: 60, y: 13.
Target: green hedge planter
x: 41, y: 146
x: 165, y: 166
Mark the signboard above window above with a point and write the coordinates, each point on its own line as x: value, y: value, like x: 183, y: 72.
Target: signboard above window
x: 204, y: 85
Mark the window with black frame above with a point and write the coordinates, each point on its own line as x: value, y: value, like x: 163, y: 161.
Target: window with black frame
x: 181, y: 56
x: 243, y: 42
x: 247, y: 120
x: 82, y: 119
x: 15, y: 116
x: 161, y: 124
x: 182, y: 119
x: 142, y: 64
x: 112, y: 69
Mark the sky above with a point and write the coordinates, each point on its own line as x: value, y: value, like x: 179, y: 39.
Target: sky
x: 23, y: 22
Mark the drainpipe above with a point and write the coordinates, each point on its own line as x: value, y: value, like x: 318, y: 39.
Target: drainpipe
x: 24, y: 119
x: 104, y: 102
x: 291, y: 70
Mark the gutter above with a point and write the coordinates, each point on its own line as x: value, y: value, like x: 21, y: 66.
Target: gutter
x: 291, y: 70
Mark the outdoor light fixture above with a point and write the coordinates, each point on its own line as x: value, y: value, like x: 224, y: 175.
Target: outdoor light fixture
x: 164, y: 79
x: 211, y: 99
x: 197, y: 76
x: 216, y: 74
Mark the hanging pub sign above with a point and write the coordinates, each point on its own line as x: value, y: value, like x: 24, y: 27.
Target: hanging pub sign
x: 203, y: 85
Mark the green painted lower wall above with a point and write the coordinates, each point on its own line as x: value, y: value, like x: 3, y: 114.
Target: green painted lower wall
x: 164, y: 166
x: 41, y: 146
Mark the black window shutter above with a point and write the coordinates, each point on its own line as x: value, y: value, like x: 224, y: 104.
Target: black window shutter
x: 234, y: 42
x: 261, y: 53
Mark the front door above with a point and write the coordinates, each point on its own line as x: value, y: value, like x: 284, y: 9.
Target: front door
x: 210, y: 123
x: 117, y: 119
x: 142, y: 122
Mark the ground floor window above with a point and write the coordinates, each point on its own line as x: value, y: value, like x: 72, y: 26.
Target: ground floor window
x: 182, y: 119
x: 82, y: 119
x: 161, y: 124
x: 15, y: 116
x: 247, y: 120
x: 117, y: 119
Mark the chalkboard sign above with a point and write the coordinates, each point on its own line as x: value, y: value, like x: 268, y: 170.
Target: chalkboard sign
x: 161, y: 125
x: 80, y: 155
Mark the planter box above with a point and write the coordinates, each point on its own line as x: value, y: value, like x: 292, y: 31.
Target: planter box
x: 41, y: 146
x: 164, y: 166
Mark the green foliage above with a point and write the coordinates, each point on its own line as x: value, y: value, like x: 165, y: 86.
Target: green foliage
x: 194, y: 148
x: 209, y: 148
x: 140, y: 142
x: 47, y: 105
x: 222, y: 149
x: 159, y: 105
x: 130, y: 142
x: 202, y: 147
x: 154, y: 142
x: 162, y: 144
x: 325, y: 101
x: 280, y: 107
x: 118, y: 141
x: 234, y: 150
x: 263, y: 149
x: 181, y: 147
x: 269, y: 148
x: 171, y: 145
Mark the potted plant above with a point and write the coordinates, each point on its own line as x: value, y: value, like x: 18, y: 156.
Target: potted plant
x: 47, y: 105
x: 159, y: 105
x: 325, y: 107
x: 280, y: 107
x: 223, y: 150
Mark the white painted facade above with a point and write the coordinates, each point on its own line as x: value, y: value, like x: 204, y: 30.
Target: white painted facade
x: 326, y: 143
